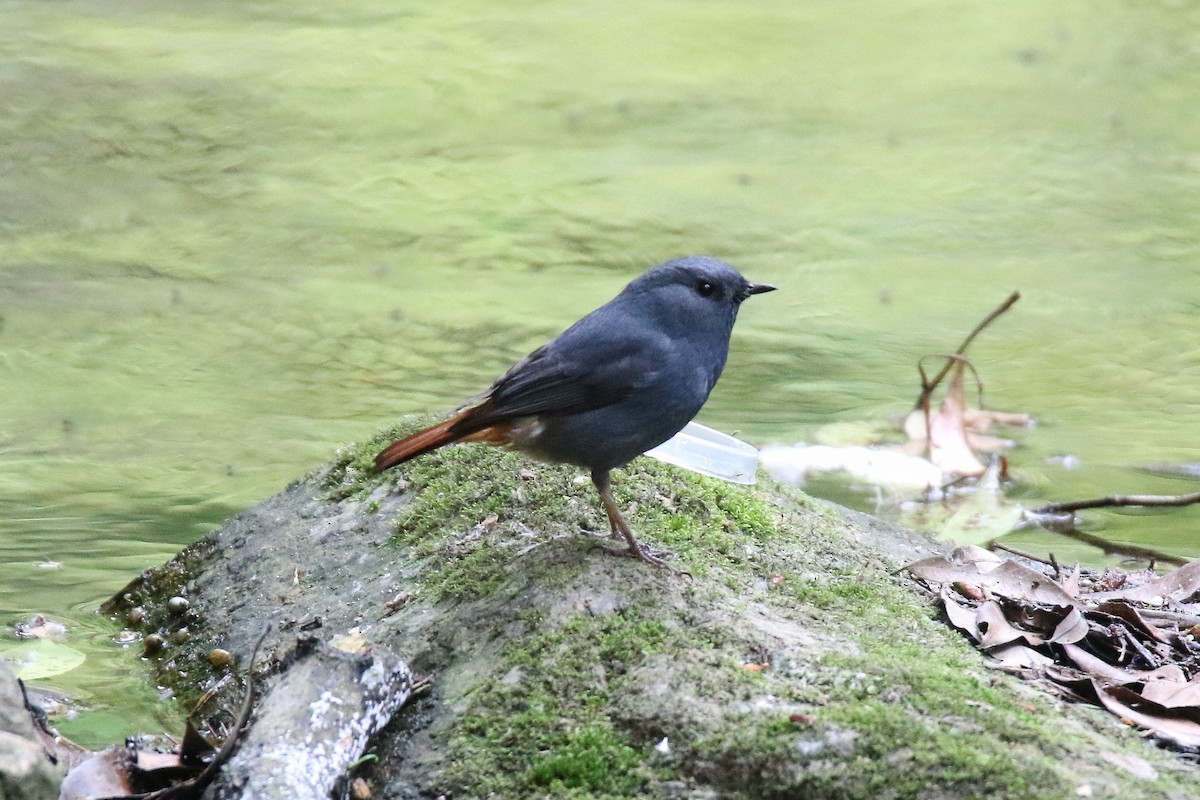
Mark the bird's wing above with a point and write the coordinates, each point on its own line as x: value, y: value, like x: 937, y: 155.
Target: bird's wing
x: 571, y: 374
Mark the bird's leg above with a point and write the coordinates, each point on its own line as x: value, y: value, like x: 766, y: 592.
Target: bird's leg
x: 618, y: 524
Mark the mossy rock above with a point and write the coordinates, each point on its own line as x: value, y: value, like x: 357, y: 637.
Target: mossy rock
x: 784, y: 657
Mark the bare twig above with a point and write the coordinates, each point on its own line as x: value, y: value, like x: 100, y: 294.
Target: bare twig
x: 1116, y: 500
x: 1126, y: 550
x: 1154, y: 661
x: 927, y: 387
x: 1181, y: 621
x: 994, y: 545
x: 239, y: 729
x: 195, y: 785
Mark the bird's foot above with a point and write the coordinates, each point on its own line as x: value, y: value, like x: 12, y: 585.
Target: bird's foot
x: 648, y: 554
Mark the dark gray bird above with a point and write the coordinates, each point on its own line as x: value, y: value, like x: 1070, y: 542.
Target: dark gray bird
x: 617, y: 383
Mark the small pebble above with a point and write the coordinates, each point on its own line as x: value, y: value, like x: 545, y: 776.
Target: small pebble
x: 178, y: 605
x: 220, y: 658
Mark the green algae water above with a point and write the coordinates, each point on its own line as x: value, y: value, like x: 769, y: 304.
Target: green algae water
x: 233, y: 236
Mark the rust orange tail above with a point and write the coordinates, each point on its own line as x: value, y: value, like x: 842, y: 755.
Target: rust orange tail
x: 416, y: 444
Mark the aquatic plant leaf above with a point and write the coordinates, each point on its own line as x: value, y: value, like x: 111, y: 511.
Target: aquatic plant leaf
x: 41, y: 658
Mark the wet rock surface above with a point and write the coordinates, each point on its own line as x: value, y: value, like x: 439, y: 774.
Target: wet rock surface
x: 25, y: 773
x: 792, y: 660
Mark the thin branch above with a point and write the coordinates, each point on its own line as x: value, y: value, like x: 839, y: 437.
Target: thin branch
x: 1007, y: 304
x: 928, y: 387
x: 994, y: 545
x: 194, y: 786
x: 1116, y: 500
x: 1127, y: 550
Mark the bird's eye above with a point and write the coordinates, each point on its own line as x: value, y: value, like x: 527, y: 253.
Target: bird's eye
x: 705, y: 289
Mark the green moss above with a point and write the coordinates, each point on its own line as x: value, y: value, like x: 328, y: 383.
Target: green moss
x: 544, y: 725
x: 864, y: 693
x: 913, y: 701
x: 474, y: 508
x: 592, y: 760
x: 844, y: 591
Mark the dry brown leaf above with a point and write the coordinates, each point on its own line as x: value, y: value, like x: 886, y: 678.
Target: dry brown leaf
x: 961, y: 615
x: 1172, y: 694
x: 1070, y: 582
x: 969, y: 561
x: 1009, y: 579
x: 969, y: 591
x: 1178, y: 585
x: 948, y: 446
x: 105, y: 774
x: 1130, y: 616
x: 1025, y: 611
x: 1072, y: 628
x: 984, y: 560
x: 1018, y: 656
x: 1099, y: 668
x: 995, y: 629
x: 1168, y: 723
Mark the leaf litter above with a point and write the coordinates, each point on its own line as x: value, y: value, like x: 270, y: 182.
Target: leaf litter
x: 1125, y: 643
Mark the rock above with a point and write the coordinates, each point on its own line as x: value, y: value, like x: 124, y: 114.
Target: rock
x: 793, y: 662
x: 25, y: 772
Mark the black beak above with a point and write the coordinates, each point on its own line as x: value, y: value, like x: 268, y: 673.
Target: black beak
x: 758, y: 288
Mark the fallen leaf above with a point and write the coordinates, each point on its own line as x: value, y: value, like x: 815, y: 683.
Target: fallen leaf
x: 1099, y: 668
x: 1018, y: 656
x: 1130, y: 615
x: 1178, y: 585
x: 961, y: 615
x: 984, y: 560
x: 1070, y: 582
x: 995, y: 629
x: 1072, y: 628
x: 1119, y: 700
x: 944, y: 434
x: 1172, y: 694
x: 104, y: 774
x: 969, y: 591
x: 1009, y: 579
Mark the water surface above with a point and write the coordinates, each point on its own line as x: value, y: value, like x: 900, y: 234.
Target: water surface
x: 233, y: 236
